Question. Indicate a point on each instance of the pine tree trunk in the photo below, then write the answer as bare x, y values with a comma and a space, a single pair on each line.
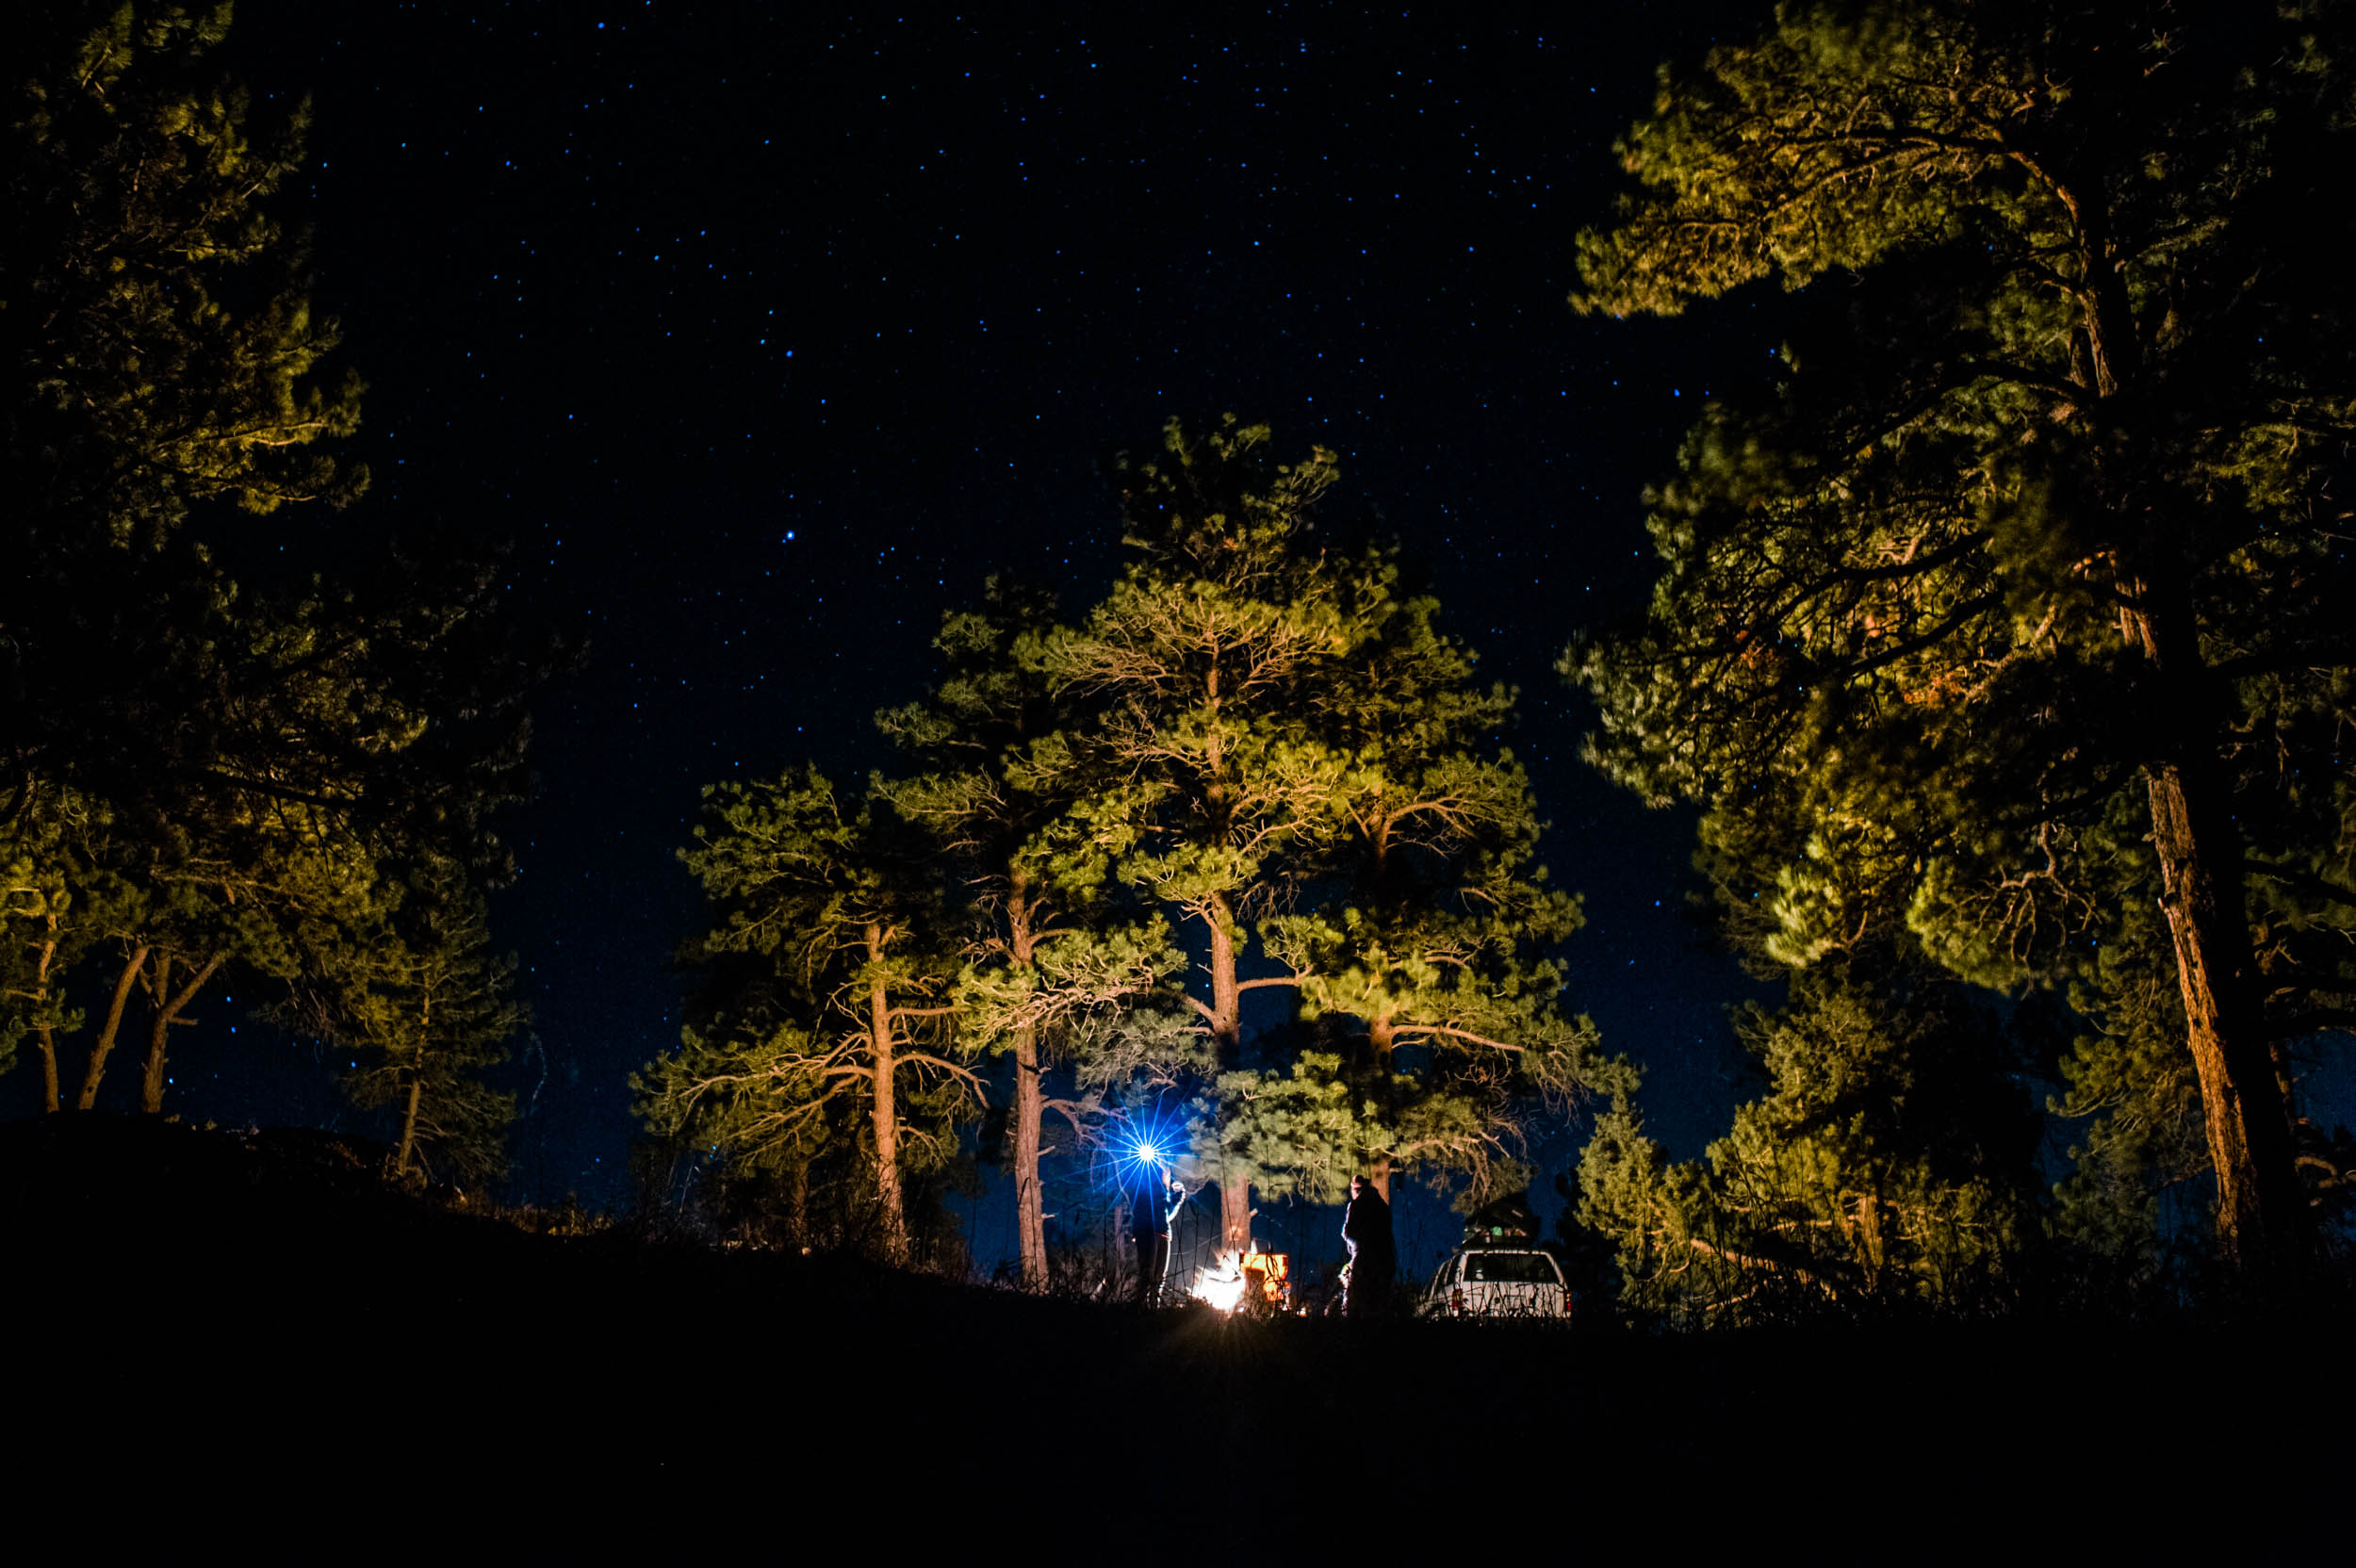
45, 1032
416, 1082
2258, 1214
105, 1044
1226, 1021
887, 1113
168, 1006
797, 1204
151, 1081
159, 1024
1382, 1035
1030, 1208
2259, 1217
408, 1126
46, 1043
2199, 847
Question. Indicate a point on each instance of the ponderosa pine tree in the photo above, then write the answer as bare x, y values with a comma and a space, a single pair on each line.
1053, 973
155, 354
832, 964
1436, 937
327, 745
1293, 760
158, 339
2041, 517
198, 776
1890, 1162
428, 1008
1218, 780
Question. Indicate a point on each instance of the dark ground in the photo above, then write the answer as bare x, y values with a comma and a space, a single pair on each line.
249, 1326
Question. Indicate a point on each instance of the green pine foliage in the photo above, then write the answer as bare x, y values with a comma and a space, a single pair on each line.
1437, 935
155, 317
1255, 746
1300, 766
429, 1009
202, 777
1218, 781
1060, 976
2023, 593
826, 1017
1888, 1165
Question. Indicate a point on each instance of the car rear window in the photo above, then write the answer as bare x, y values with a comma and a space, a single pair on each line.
1511, 1268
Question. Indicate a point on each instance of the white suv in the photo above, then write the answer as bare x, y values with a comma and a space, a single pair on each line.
1498, 1281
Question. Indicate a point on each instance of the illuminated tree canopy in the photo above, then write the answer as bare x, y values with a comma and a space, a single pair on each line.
845, 997
1253, 746
1297, 755
1058, 971
2027, 590
158, 333
207, 774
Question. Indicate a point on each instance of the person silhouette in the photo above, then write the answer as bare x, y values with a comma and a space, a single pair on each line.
1373, 1253
1151, 1214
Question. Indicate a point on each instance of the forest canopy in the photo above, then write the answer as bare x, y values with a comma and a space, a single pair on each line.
1998, 649
2007, 638
1256, 765
213, 774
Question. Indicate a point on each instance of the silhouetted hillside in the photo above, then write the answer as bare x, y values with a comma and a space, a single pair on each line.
218, 1306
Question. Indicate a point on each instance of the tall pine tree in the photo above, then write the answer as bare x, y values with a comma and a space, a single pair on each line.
428, 1009
831, 964
1221, 781
2040, 519
199, 775
1434, 939
1055, 973
1295, 762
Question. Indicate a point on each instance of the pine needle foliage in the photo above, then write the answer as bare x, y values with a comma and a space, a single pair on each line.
1299, 765
2027, 587
1061, 976
429, 1009
828, 1006
198, 776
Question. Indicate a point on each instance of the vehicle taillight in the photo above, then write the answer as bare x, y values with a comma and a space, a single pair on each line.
1456, 1302
1566, 1304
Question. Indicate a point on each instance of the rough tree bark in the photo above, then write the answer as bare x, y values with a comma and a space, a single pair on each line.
1030, 1100
2199, 848
2259, 1215
104, 1045
45, 1033
1225, 1018
1030, 1208
887, 1114
1382, 1038
170, 1004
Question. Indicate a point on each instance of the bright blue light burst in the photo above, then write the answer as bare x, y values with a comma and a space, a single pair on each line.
1145, 1152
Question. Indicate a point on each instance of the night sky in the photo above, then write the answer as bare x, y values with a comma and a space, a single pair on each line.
766, 335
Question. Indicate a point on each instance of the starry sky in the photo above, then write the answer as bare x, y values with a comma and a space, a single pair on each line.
765, 333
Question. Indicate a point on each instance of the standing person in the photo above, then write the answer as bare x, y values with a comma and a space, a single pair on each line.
1373, 1254
1149, 1217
